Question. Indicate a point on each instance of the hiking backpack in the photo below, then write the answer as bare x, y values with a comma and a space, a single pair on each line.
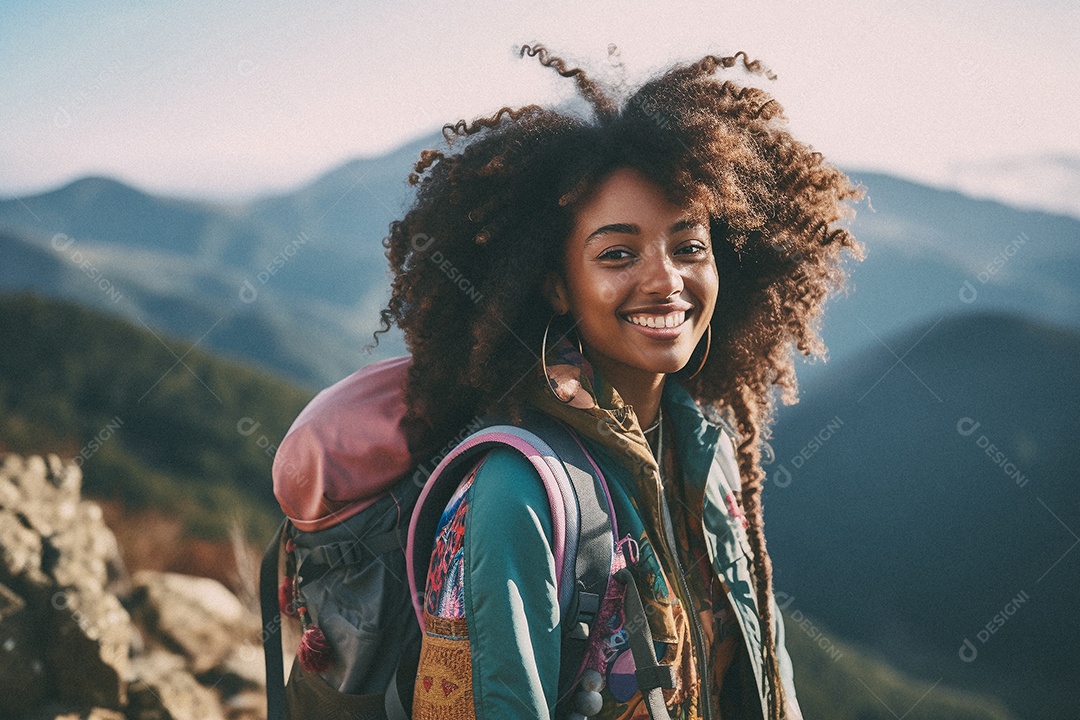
361, 518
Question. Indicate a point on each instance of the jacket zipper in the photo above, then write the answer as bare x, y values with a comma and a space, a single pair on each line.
691, 612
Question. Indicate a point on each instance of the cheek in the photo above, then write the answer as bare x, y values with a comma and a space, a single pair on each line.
593, 289
708, 284
607, 290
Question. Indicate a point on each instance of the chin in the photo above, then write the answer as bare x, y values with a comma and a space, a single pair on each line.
667, 367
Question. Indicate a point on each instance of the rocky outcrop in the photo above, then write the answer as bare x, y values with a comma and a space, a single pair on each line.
197, 617
162, 686
88, 646
79, 639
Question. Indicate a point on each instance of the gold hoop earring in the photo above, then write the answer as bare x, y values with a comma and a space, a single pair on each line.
543, 354
708, 344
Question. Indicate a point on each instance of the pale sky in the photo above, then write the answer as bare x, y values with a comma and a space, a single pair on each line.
230, 99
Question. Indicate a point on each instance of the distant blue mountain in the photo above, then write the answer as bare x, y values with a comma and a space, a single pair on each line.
933, 253
929, 510
291, 282
295, 281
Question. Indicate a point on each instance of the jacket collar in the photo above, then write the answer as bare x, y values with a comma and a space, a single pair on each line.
696, 437
595, 410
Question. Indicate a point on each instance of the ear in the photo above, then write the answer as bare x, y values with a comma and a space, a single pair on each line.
556, 293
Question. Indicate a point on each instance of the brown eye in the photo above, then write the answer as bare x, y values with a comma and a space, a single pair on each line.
614, 254
695, 247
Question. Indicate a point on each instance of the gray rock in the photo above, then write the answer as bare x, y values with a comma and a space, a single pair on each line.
88, 646
54, 551
10, 495
161, 688
199, 617
243, 669
38, 499
95, 714
32, 478
84, 545
20, 550
45, 526
65, 476
67, 711
247, 705
69, 647
11, 464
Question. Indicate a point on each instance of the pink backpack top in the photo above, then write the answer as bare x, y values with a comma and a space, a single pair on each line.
352, 429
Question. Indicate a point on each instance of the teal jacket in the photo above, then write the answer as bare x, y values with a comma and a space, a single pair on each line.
500, 657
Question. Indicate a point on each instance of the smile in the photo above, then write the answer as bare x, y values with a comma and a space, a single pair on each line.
666, 320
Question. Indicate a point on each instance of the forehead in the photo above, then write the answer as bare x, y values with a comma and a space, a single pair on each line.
627, 196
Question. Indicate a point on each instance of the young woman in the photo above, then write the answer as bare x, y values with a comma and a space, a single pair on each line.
641, 275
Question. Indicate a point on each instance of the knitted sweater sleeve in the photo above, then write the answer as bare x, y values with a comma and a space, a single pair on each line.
502, 656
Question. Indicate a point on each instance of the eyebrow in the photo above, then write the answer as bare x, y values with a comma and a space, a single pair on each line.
631, 229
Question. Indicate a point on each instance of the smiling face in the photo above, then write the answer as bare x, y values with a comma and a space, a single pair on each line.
640, 279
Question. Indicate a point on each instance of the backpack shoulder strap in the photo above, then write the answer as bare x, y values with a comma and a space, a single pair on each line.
594, 547
583, 523
271, 623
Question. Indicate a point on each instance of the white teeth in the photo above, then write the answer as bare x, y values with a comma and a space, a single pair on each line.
669, 320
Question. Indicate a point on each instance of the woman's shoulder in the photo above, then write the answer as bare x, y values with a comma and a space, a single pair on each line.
506, 470
507, 486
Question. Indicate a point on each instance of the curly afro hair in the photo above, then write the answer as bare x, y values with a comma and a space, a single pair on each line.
490, 218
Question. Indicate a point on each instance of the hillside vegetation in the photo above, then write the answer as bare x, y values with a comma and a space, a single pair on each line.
836, 681
907, 507
153, 422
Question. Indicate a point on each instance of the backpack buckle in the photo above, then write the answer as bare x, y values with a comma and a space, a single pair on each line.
587, 609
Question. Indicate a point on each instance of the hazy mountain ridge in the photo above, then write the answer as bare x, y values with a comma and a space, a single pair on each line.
909, 504
146, 428
305, 270
1048, 181
933, 254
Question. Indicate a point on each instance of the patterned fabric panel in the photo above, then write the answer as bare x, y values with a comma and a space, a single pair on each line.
443, 689
443, 686
445, 582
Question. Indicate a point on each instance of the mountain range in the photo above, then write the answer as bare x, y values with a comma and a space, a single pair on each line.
929, 509
294, 281
1048, 181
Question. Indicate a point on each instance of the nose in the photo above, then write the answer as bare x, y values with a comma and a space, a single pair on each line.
660, 276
